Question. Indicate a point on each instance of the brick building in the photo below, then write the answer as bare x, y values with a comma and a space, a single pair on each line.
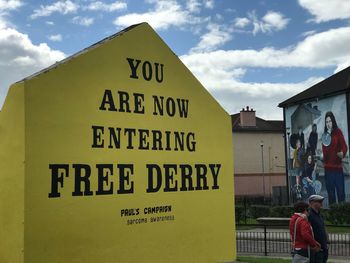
259, 159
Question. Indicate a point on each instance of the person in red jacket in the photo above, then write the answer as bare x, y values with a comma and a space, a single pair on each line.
334, 149
301, 232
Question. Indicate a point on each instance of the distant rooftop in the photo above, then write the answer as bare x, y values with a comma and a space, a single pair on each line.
261, 125
336, 84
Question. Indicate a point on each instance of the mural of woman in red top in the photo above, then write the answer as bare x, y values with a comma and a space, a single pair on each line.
334, 149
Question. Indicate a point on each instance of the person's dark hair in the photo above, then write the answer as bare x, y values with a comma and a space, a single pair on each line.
313, 126
309, 153
334, 122
300, 207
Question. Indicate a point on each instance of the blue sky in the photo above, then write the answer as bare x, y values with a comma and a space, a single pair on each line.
245, 52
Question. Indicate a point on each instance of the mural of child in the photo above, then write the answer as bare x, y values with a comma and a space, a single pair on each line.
298, 160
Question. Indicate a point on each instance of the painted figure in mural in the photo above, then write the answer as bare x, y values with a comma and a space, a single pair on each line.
334, 149
312, 142
300, 137
298, 165
311, 185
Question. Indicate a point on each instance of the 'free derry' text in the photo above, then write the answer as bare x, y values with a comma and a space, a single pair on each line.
117, 178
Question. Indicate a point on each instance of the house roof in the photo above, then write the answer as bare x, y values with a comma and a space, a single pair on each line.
335, 84
261, 125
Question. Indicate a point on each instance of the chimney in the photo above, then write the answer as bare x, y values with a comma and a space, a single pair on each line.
247, 117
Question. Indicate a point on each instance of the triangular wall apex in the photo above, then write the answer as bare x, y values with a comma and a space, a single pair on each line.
119, 152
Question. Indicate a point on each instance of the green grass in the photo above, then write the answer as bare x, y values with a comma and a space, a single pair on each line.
339, 229
249, 221
247, 227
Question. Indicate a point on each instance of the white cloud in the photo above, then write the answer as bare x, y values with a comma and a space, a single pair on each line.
21, 58
219, 17
3, 22
83, 21
263, 97
7, 5
275, 21
272, 21
217, 36
193, 6
165, 14
55, 38
101, 6
309, 33
209, 4
62, 7
324, 11
325, 49
241, 22
224, 83
342, 66
50, 23
222, 71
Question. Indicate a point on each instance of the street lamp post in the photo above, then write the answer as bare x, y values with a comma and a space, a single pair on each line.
262, 165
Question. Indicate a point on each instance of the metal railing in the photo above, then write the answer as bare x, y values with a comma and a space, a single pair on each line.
264, 240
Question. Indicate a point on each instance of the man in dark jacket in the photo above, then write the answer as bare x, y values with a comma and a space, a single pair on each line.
317, 222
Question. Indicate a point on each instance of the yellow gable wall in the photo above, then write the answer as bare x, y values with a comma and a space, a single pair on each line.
61, 108
12, 176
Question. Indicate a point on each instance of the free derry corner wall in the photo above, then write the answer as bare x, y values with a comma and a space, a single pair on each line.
116, 154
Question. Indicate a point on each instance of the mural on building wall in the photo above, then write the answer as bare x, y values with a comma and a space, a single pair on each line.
318, 150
